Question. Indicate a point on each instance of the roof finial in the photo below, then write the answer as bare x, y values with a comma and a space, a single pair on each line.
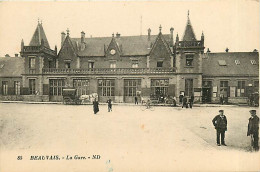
41, 22
188, 13
38, 20
113, 34
68, 31
160, 28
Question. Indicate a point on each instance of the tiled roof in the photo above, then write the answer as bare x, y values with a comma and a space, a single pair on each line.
211, 67
11, 66
38, 35
129, 45
189, 34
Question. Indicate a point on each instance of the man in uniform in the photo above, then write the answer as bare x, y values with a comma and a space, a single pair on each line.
220, 123
253, 129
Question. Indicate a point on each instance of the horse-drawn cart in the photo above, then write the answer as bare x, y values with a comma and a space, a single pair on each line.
70, 96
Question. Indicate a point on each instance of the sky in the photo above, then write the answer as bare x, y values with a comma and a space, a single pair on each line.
225, 23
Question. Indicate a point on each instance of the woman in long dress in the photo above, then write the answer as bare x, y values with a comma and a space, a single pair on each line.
95, 106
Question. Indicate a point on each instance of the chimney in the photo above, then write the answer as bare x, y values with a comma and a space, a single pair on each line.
82, 37
171, 30
22, 45
149, 34
227, 50
208, 51
118, 35
62, 37
202, 39
16, 55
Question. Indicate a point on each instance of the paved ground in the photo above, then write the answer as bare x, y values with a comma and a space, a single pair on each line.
127, 139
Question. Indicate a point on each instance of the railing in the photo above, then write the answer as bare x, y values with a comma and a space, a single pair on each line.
31, 48
184, 44
38, 49
110, 71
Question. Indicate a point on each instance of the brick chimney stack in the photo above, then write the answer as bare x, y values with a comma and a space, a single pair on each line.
62, 37
149, 34
172, 42
82, 37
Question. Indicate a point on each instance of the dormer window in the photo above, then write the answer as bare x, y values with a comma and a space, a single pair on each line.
189, 60
135, 64
253, 62
90, 65
237, 62
67, 65
160, 64
112, 64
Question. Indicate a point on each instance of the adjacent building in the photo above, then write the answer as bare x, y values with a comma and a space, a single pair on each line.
122, 67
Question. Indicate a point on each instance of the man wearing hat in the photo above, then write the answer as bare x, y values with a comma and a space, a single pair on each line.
220, 123
253, 129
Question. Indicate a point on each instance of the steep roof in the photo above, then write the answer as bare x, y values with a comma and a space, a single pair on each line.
189, 34
11, 66
129, 45
224, 64
38, 35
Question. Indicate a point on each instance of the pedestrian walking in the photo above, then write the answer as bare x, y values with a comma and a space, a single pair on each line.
220, 123
253, 129
191, 100
109, 105
184, 102
180, 99
136, 100
95, 106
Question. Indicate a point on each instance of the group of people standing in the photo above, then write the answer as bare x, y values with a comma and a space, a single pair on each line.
96, 105
185, 101
220, 123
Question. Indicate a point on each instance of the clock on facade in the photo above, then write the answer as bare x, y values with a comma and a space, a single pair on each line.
112, 52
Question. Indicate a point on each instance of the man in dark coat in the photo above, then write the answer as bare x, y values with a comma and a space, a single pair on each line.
109, 105
136, 100
180, 98
220, 123
253, 129
95, 106
184, 102
191, 100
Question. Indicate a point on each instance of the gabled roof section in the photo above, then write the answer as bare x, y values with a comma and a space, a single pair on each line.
211, 66
71, 44
128, 45
38, 35
160, 36
11, 66
189, 34
113, 45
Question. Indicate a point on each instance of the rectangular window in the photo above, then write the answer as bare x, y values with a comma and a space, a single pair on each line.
67, 65
241, 87
188, 87
31, 86
106, 87
160, 64
256, 86
189, 60
5, 87
90, 65
82, 86
17, 87
135, 64
131, 86
113, 64
159, 87
32, 62
224, 88
50, 66
56, 87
